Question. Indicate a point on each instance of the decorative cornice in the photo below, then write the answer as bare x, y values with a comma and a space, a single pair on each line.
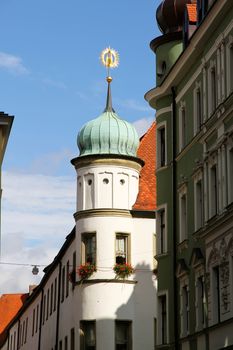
102, 212
105, 280
105, 159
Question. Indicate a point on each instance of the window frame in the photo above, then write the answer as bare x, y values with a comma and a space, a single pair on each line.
84, 237
127, 237
161, 157
182, 126
212, 88
63, 273
82, 326
163, 322
128, 324
213, 189
161, 240
199, 210
183, 219
197, 108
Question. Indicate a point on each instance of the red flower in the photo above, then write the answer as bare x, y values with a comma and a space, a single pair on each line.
85, 271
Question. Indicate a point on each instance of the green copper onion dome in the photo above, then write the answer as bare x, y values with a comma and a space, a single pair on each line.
108, 134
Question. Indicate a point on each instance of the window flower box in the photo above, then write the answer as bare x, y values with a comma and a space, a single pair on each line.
123, 270
85, 271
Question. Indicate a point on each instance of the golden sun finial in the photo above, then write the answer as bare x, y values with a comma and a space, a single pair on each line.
110, 59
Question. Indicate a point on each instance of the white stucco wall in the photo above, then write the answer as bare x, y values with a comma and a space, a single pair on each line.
106, 186
106, 302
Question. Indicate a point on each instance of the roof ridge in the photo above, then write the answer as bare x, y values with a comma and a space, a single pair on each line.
144, 136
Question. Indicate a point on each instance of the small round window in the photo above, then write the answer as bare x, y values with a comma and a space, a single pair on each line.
105, 181
89, 182
80, 184
122, 181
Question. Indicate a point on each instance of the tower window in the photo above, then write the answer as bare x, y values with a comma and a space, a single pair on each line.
122, 248
123, 334
105, 181
87, 335
89, 248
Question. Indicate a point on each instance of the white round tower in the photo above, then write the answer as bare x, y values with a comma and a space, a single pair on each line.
112, 248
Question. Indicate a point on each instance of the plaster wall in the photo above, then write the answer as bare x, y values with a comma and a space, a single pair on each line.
48, 328
10, 344
106, 186
107, 301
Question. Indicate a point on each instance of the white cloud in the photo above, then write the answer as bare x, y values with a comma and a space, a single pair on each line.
50, 163
142, 125
37, 215
12, 63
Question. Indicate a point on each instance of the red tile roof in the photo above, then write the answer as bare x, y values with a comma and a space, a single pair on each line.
9, 306
192, 12
146, 199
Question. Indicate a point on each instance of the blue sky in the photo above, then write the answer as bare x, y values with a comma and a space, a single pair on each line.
52, 82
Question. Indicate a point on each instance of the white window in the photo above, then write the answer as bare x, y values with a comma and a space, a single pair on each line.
163, 320
87, 335
123, 335
161, 230
213, 190
198, 203
183, 223
122, 248
89, 248
182, 127
161, 145
197, 105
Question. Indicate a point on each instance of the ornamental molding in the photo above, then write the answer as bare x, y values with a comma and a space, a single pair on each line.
214, 257
87, 161
124, 213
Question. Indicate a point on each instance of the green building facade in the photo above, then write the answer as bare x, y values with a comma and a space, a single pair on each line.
193, 99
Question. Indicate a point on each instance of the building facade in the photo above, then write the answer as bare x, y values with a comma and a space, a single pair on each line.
5, 128
89, 297
193, 99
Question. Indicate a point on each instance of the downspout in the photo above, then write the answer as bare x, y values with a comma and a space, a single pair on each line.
174, 213
41, 313
58, 306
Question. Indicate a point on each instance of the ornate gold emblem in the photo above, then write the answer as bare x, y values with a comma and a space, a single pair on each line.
109, 58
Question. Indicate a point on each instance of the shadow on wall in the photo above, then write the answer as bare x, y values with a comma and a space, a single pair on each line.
135, 320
